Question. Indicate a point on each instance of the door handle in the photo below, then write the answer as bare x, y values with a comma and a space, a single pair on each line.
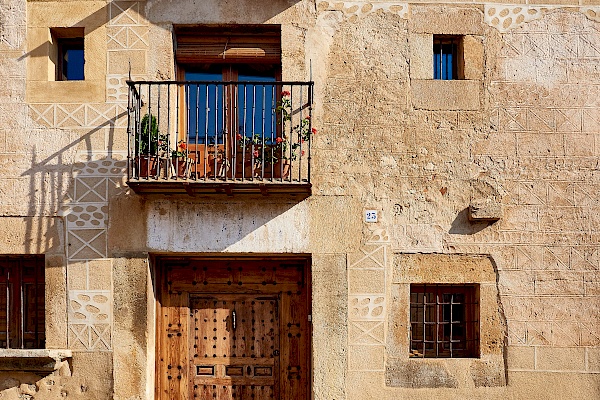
275, 353
233, 319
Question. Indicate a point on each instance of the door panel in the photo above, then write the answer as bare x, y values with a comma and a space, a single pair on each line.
202, 355
235, 346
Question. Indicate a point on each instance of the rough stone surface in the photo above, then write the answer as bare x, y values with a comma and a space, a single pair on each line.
521, 129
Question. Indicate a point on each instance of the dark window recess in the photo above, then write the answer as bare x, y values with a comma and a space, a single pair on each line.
22, 302
70, 59
447, 57
444, 321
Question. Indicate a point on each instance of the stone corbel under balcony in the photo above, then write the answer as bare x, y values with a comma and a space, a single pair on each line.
35, 360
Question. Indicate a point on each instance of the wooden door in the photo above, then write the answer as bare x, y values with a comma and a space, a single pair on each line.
233, 329
234, 347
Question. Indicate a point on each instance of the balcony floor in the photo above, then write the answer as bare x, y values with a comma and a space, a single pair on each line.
209, 188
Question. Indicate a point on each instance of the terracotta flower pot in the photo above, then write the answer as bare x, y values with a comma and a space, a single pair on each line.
148, 166
179, 166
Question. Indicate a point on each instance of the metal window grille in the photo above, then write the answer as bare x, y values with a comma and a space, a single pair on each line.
444, 321
22, 309
446, 57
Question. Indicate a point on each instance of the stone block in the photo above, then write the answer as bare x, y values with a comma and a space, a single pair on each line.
559, 283
32, 235
442, 268
56, 302
591, 283
119, 61
133, 325
78, 275
87, 91
366, 281
560, 358
421, 56
520, 357
473, 55
445, 95
419, 374
488, 372
446, 20
540, 144
485, 210
100, 274
365, 358
516, 282
520, 218
593, 359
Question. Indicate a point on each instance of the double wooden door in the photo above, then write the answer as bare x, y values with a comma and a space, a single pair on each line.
233, 330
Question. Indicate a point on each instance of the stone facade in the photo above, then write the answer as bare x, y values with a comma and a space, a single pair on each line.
490, 179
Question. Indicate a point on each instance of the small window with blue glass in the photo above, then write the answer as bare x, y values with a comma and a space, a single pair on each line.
67, 53
70, 59
447, 57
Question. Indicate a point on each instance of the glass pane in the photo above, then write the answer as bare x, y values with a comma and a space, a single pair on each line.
205, 113
256, 105
73, 64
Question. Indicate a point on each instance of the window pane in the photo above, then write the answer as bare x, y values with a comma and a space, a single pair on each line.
73, 64
256, 105
205, 113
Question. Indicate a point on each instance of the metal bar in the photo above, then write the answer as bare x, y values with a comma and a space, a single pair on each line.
194, 82
21, 339
8, 277
129, 109
310, 102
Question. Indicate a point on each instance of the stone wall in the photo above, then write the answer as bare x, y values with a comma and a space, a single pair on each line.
520, 131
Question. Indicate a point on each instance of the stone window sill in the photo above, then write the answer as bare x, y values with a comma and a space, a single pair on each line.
33, 360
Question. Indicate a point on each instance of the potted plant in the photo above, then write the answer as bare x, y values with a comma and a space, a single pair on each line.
267, 157
180, 159
149, 144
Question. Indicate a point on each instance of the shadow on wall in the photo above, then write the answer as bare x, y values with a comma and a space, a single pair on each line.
179, 224
51, 185
90, 23
463, 226
216, 11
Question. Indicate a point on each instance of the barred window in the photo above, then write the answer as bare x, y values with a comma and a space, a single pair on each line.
22, 302
444, 320
447, 57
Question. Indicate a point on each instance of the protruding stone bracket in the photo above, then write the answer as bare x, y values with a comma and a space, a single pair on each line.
484, 210
43, 360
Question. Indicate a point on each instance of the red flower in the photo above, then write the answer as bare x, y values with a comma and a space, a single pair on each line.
279, 140
302, 153
307, 117
182, 145
239, 137
285, 93
313, 130
255, 153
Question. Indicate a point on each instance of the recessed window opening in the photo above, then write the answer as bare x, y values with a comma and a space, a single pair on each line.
22, 308
70, 56
447, 57
444, 321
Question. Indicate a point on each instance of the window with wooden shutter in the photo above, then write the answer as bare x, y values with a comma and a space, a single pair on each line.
22, 306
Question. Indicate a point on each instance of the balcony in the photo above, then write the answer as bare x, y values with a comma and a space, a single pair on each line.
203, 138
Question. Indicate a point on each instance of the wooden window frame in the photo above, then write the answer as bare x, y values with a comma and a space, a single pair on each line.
22, 319
435, 328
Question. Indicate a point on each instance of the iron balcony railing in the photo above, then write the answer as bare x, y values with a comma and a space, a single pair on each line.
199, 131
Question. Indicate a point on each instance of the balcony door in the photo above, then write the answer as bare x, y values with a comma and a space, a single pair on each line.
230, 91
